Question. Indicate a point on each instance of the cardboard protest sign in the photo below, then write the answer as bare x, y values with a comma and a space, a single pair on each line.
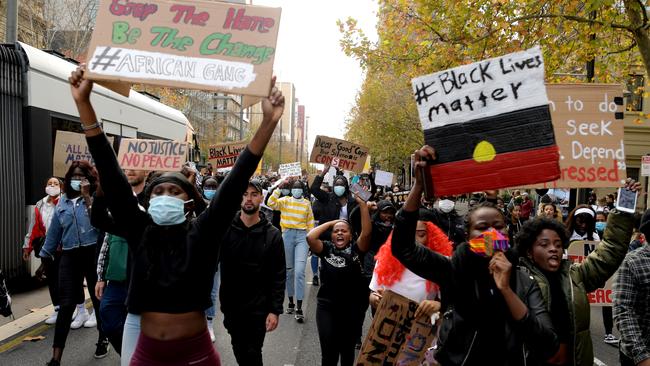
577, 253
152, 155
68, 147
225, 155
338, 153
395, 336
490, 124
588, 124
290, 170
206, 45
383, 178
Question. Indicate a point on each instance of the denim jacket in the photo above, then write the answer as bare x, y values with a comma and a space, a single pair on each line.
70, 227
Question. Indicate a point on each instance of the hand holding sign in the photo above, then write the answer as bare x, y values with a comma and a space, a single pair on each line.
80, 86
273, 106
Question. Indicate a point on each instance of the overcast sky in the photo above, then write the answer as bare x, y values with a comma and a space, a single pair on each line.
308, 54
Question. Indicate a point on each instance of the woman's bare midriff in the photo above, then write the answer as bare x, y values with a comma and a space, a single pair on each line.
166, 327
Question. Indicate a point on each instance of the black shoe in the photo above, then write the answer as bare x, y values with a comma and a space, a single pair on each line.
300, 318
315, 281
53, 363
102, 349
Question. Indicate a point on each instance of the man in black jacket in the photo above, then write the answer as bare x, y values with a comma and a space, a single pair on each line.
253, 275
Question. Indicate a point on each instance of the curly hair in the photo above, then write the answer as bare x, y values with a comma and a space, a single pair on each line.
389, 269
529, 232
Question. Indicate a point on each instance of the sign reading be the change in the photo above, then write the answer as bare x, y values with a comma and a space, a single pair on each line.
198, 45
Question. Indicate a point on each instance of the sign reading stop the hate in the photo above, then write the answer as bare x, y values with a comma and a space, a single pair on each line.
588, 124
339, 153
152, 155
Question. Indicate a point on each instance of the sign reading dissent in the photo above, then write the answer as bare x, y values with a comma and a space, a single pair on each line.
206, 45
490, 124
338, 153
225, 155
588, 123
152, 155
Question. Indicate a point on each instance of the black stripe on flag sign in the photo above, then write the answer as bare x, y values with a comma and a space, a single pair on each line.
523, 129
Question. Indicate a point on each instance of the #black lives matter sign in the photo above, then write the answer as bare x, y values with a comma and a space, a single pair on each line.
490, 124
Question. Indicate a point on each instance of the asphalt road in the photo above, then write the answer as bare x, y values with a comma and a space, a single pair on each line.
291, 344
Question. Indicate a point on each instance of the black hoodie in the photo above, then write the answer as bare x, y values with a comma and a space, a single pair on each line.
253, 272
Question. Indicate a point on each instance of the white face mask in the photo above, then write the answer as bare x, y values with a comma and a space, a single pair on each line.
52, 191
446, 205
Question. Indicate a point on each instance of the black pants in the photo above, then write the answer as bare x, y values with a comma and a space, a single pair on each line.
51, 268
625, 361
337, 332
247, 332
608, 320
75, 265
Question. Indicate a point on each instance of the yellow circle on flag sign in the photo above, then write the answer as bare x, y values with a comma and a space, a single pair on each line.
484, 152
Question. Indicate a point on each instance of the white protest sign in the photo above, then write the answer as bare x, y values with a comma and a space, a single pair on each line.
645, 165
290, 170
482, 89
383, 178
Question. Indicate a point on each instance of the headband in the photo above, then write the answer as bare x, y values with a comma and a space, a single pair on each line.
584, 210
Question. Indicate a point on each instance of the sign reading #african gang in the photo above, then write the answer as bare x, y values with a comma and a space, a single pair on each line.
338, 153
206, 45
490, 124
396, 337
225, 155
152, 155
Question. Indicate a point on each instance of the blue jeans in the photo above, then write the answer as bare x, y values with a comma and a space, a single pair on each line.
295, 252
212, 310
314, 264
112, 310
129, 338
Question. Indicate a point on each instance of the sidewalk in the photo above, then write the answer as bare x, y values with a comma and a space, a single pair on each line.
30, 308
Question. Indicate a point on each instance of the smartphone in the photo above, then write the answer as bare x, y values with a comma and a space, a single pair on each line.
362, 193
626, 200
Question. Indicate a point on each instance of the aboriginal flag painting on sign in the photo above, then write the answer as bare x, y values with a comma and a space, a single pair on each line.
490, 124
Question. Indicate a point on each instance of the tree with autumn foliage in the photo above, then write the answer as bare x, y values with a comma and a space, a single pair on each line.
419, 37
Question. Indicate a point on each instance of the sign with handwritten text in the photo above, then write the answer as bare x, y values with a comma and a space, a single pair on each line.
68, 147
588, 124
338, 153
152, 155
225, 155
205, 45
396, 337
577, 253
290, 170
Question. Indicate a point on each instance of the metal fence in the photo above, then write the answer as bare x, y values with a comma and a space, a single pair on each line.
12, 183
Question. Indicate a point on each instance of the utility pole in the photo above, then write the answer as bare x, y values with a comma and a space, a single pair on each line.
11, 29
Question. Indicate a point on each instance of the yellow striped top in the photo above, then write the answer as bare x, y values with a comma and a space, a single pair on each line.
294, 213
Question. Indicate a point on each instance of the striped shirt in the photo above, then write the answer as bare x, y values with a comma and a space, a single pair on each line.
294, 213
632, 304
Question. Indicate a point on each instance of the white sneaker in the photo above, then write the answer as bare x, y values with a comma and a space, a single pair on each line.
52, 319
79, 320
91, 322
211, 330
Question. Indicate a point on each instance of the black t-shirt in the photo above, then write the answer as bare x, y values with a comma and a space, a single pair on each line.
341, 275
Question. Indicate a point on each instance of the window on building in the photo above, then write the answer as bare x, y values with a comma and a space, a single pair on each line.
635, 85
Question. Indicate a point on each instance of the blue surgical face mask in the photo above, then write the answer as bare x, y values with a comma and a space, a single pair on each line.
296, 192
75, 184
285, 192
167, 210
339, 190
209, 193
600, 226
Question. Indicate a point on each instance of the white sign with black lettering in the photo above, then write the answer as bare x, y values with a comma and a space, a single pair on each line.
384, 179
290, 170
482, 89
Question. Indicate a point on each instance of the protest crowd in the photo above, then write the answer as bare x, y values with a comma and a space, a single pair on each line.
468, 258
154, 247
